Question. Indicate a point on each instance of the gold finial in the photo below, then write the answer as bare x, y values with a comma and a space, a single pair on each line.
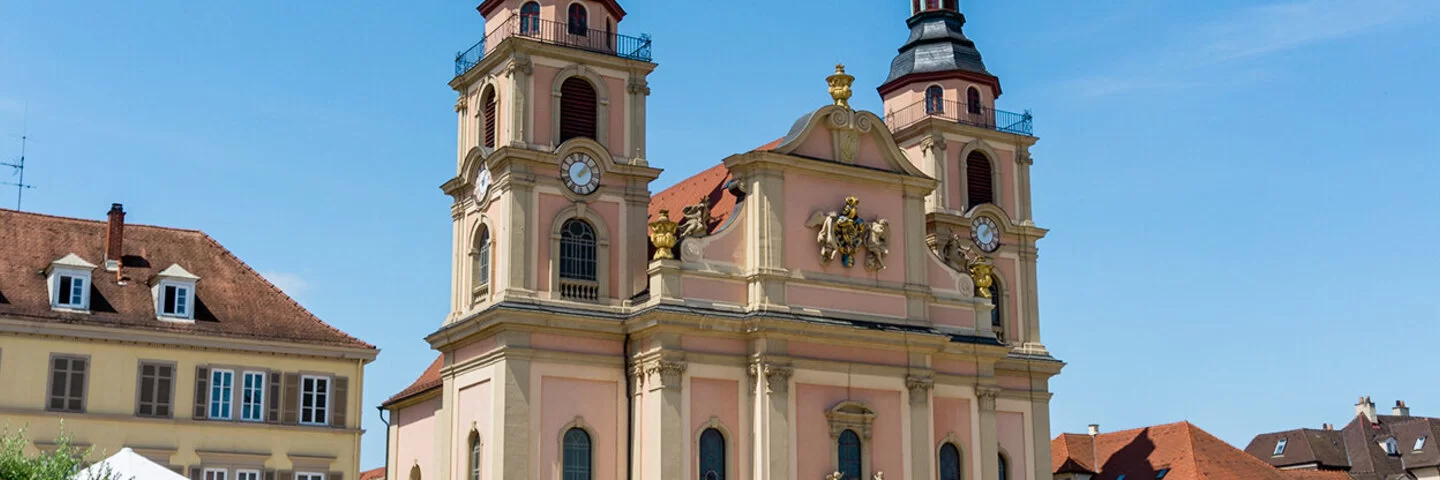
662, 235
840, 86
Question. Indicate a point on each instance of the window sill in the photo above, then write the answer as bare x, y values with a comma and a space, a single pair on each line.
170, 319
70, 309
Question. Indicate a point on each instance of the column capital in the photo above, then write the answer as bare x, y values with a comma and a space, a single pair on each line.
987, 396
776, 377
919, 387
665, 374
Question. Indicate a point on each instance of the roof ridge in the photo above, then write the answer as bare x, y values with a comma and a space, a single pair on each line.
101, 222
1194, 455
1242, 454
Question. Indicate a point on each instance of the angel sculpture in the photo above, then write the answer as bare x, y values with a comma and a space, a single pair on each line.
846, 232
877, 245
697, 219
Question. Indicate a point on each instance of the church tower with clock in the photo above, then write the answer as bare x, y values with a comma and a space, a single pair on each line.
855, 300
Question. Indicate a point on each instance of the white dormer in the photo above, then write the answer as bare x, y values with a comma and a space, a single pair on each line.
68, 280
174, 292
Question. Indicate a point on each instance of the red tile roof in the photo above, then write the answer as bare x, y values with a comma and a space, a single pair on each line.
376, 474
709, 184
231, 299
428, 380
1187, 451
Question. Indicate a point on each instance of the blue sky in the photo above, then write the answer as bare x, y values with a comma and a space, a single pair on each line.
1241, 193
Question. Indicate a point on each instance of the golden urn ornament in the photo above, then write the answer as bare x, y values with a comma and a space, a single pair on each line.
662, 235
981, 273
840, 86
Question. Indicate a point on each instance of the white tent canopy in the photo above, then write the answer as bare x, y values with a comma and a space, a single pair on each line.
128, 465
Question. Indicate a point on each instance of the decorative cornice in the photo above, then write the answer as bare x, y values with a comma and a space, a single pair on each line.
638, 86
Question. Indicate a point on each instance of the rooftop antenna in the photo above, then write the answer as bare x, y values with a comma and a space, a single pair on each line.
19, 166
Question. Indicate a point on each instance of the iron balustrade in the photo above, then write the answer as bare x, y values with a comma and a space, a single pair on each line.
964, 114
556, 33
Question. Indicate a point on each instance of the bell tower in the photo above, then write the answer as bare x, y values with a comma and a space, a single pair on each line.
551, 182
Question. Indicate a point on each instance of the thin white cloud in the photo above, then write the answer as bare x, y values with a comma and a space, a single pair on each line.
290, 283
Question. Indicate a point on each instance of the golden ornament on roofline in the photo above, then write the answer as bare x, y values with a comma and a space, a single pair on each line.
840, 86
662, 235
982, 272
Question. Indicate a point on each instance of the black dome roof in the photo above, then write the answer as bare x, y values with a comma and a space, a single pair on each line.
937, 44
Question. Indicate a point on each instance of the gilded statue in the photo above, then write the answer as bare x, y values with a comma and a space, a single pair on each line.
960, 254
846, 232
982, 274
662, 235
696, 221
840, 86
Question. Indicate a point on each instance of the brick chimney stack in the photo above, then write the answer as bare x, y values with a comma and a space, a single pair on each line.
115, 238
1365, 407
1400, 410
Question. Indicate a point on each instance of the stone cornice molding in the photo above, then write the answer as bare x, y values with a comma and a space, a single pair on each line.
10, 325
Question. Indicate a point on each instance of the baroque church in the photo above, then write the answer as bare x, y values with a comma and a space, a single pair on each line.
855, 300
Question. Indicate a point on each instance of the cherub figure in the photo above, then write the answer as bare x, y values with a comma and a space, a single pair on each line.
696, 223
877, 244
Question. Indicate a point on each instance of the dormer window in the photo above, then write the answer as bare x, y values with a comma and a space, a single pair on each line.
175, 294
1280, 447
1419, 443
69, 283
1390, 446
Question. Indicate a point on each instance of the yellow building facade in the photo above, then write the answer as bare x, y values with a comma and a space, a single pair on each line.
160, 340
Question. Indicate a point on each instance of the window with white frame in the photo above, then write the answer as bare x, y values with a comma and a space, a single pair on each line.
252, 397
175, 294
72, 291
1419, 443
176, 301
222, 389
314, 401
247, 475
1279, 448
309, 476
215, 474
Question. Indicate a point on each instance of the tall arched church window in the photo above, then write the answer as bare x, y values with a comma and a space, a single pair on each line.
530, 18
712, 455
575, 461
1004, 469
979, 180
480, 263
579, 20
972, 101
848, 451
474, 456
949, 462
934, 100
577, 109
488, 100
578, 261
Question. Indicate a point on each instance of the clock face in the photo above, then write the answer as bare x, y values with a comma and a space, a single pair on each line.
482, 186
985, 234
580, 173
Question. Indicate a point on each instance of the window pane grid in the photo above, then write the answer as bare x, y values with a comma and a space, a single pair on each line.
222, 388
712, 455
155, 382
314, 397
252, 397
576, 457
577, 251
67, 384
848, 449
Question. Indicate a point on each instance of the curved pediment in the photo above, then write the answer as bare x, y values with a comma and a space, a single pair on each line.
852, 137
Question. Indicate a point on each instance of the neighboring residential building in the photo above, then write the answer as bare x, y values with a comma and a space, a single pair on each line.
161, 340
373, 474
1370, 447
858, 297
1176, 451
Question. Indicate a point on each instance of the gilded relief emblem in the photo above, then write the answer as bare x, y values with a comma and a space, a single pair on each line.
846, 232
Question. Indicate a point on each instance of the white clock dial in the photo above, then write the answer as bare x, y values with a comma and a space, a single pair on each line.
482, 186
986, 234
580, 173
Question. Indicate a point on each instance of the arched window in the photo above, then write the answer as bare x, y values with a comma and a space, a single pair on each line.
979, 180
576, 462
848, 451
712, 455
577, 109
934, 100
530, 18
578, 261
1004, 469
972, 101
480, 262
488, 100
997, 314
579, 20
474, 455
949, 462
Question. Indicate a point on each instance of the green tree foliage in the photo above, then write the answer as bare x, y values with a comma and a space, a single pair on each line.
62, 464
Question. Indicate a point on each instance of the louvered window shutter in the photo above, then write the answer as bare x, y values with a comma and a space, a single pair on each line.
272, 396
979, 180
202, 392
489, 102
292, 399
269, 475
335, 476
286, 474
341, 394
577, 109
197, 473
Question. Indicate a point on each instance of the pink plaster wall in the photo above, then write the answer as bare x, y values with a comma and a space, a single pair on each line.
416, 442
1010, 431
566, 343
854, 301
1015, 383
813, 442
955, 367
594, 401
952, 316
714, 290
473, 350
549, 208
613, 90
821, 144
848, 354
719, 399
952, 415
914, 94
812, 193
941, 276
542, 87
728, 244
722, 346
473, 407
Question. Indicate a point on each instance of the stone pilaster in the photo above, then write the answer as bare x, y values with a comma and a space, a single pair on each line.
1031, 302
520, 237
772, 424
989, 447
1040, 431
932, 150
664, 419
765, 261
513, 446
518, 102
922, 461
638, 90
1023, 161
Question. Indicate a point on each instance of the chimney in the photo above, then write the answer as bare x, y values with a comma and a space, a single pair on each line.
1094, 429
1365, 407
115, 238
1400, 409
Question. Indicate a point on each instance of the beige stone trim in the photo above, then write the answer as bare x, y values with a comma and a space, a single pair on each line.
602, 101
318, 462
188, 422
12, 326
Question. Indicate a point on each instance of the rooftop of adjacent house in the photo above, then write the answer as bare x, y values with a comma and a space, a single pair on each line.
373, 474
1370, 447
231, 300
428, 380
1176, 451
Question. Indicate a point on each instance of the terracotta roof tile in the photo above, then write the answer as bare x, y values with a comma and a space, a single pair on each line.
709, 184
375, 474
429, 379
1188, 453
231, 299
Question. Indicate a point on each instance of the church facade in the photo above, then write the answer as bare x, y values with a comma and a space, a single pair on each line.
856, 300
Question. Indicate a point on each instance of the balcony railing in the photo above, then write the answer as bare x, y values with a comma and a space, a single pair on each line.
964, 114
555, 33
